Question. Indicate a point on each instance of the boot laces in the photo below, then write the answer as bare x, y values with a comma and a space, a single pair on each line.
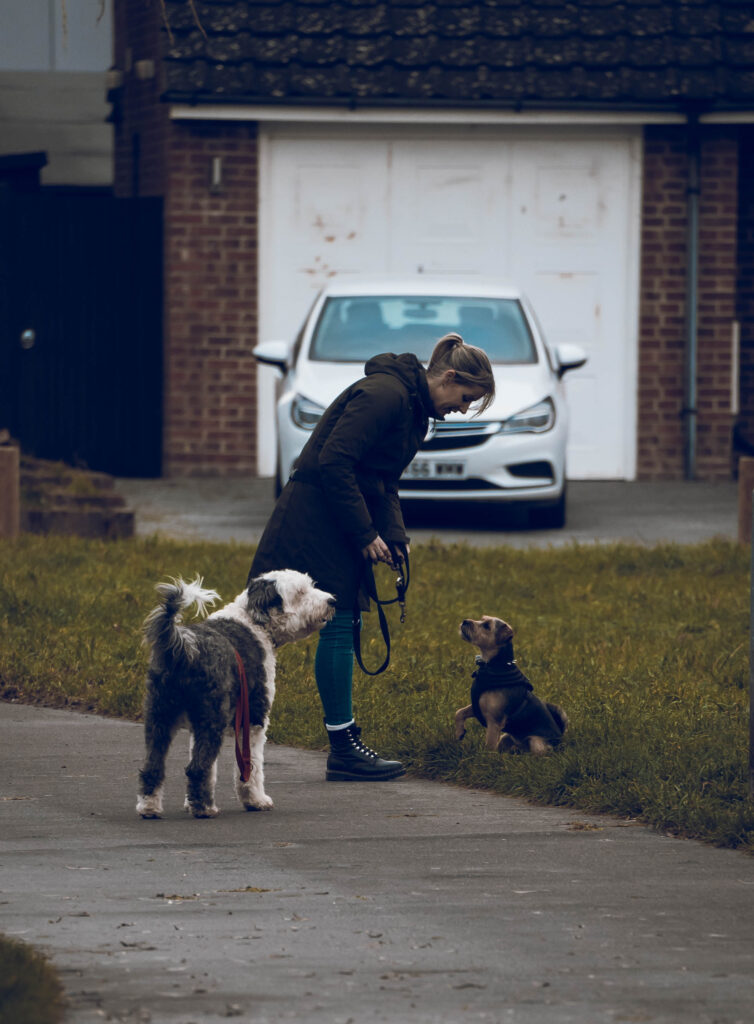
360, 745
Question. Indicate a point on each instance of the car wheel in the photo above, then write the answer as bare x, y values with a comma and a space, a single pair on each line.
552, 517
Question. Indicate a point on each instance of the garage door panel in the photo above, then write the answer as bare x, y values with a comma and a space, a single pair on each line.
325, 215
332, 213
444, 209
570, 218
568, 202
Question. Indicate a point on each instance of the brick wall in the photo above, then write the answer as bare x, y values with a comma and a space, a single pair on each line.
210, 301
717, 302
662, 325
745, 310
140, 120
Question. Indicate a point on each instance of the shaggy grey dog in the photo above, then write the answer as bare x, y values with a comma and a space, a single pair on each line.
194, 679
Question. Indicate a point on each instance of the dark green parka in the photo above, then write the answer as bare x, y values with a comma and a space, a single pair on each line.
344, 490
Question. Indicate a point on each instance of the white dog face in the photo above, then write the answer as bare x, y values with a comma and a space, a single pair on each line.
288, 605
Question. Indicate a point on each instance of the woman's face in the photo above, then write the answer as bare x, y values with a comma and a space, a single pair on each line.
448, 395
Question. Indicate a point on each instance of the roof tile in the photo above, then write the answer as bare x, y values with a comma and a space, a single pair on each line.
415, 52
740, 51
321, 50
740, 83
701, 20
603, 21
320, 20
504, 21
459, 21
413, 21
562, 20
604, 52
696, 83
369, 52
647, 83
272, 49
368, 19
648, 21
504, 53
556, 53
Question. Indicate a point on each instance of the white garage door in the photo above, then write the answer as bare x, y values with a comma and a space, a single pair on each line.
557, 214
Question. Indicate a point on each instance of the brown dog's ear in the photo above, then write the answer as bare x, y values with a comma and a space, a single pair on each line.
263, 596
503, 633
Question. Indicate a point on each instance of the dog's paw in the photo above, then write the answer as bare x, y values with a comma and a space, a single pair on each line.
258, 803
508, 745
149, 806
204, 811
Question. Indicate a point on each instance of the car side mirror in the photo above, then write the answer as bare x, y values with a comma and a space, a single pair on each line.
273, 353
570, 357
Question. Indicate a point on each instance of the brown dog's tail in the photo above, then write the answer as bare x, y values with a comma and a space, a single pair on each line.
559, 716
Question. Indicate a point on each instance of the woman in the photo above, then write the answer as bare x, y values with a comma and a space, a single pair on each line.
341, 507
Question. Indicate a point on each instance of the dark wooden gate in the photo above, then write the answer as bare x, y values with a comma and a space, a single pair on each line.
81, 329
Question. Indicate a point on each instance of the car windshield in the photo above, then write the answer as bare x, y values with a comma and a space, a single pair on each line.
350, 329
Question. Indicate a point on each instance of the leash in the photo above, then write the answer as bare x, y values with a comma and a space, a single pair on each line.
243, 749
401, 586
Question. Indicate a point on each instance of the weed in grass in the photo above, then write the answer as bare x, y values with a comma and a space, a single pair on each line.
645, 648
30, 990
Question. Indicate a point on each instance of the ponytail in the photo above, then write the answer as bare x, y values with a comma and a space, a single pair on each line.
471, 366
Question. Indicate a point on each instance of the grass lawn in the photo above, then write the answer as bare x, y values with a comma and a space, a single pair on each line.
645, 648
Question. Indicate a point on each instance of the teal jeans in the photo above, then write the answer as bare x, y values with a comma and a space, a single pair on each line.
333, 668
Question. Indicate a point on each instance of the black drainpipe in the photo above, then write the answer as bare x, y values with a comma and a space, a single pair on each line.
692, 294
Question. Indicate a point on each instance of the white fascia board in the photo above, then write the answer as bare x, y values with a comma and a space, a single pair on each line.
731, 117
417, 115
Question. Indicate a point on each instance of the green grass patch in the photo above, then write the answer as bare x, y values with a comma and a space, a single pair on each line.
30, 990
645, 648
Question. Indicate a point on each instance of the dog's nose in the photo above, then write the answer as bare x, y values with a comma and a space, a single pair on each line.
466, 622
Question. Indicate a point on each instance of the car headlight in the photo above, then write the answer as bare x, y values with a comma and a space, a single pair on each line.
534, 420
305, 413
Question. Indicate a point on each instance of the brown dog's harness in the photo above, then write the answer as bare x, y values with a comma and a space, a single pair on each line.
243, 742
500, 671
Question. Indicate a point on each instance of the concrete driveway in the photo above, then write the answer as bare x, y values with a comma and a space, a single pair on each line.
599, 511
403, 902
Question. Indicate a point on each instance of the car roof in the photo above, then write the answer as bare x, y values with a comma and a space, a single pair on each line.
421, 284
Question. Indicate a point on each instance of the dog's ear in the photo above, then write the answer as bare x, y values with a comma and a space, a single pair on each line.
503, 633
263, 596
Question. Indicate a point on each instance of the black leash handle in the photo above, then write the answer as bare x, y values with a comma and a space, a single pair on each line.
401, 586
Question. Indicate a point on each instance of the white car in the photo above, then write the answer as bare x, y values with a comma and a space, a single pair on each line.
514, 453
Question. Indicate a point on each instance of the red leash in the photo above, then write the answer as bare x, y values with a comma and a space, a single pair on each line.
243, 752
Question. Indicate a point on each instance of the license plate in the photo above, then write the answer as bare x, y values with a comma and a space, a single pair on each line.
424, 469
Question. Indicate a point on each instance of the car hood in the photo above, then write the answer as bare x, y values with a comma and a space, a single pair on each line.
516, 387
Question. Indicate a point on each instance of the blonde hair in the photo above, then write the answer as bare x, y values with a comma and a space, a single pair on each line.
471, 366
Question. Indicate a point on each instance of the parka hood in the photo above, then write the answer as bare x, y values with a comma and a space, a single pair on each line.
408, 370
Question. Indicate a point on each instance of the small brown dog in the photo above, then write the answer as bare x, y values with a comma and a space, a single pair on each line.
501, 696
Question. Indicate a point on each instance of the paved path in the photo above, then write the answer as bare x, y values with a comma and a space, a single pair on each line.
403, 902
639, 512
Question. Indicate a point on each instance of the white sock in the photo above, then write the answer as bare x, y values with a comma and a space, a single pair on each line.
337, 728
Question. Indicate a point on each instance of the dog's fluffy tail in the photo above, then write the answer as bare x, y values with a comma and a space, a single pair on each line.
163, 630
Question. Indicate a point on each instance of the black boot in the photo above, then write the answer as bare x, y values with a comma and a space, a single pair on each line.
350, 760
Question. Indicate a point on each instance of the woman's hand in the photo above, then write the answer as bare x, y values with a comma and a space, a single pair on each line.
378, 551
